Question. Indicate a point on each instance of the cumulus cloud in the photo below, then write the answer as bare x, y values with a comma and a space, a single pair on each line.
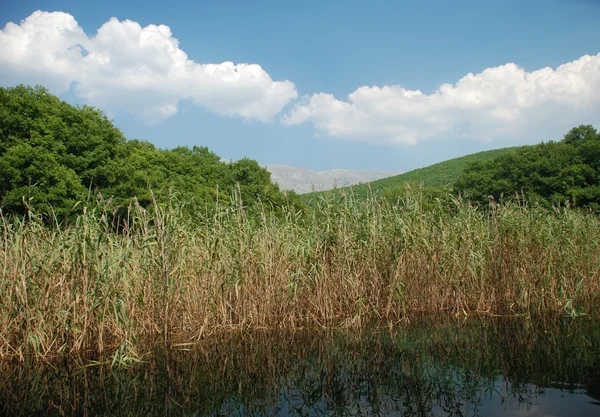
138, 69
500, 103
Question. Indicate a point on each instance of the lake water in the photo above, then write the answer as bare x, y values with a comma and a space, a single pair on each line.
434, 367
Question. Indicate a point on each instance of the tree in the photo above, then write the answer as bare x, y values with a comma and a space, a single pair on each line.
54, 155
550, 173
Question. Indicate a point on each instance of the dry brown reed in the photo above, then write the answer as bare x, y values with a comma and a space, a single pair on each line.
169, 276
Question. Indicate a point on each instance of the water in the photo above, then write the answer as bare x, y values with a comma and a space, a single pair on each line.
478, 367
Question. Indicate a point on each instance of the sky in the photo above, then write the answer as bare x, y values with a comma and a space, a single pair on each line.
387, 85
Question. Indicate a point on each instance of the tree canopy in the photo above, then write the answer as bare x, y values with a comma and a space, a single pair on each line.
54, 155
551, 173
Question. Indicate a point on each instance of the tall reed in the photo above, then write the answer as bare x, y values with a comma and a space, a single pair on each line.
163, 275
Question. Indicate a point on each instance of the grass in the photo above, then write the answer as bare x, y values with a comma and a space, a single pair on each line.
170, 278
437, 175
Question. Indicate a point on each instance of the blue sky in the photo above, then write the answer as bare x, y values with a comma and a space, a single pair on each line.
293, 105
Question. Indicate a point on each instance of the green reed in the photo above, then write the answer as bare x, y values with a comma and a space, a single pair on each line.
110, 286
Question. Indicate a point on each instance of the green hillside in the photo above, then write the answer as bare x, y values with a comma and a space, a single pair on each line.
436, 175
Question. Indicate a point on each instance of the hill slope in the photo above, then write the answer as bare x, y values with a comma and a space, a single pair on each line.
436, 175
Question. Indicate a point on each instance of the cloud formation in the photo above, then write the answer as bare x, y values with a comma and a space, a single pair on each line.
143, 71
137, 69
500, 103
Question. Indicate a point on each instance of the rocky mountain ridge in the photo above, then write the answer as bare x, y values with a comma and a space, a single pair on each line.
304, 180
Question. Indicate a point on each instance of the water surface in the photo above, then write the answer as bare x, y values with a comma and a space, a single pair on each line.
477, 367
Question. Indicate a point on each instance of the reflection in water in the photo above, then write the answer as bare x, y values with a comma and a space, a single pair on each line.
481, 367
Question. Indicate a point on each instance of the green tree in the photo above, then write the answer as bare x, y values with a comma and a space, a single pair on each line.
54, 155
550, 173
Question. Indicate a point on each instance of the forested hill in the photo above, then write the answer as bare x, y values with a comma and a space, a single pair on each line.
566, 172
53, 156
554, 173
436, 175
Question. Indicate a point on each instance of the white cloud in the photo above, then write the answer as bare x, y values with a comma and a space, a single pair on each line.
501, 103
133, 68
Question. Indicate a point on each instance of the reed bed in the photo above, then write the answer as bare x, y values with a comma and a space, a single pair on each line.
167, 276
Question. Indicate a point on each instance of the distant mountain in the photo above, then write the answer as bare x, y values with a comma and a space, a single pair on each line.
304, 180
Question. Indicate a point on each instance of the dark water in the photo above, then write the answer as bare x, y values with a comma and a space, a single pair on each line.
481, 367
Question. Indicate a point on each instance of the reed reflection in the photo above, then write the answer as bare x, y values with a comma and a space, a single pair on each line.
445, 368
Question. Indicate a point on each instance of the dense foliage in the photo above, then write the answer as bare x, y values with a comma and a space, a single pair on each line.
54, 155
551, 173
